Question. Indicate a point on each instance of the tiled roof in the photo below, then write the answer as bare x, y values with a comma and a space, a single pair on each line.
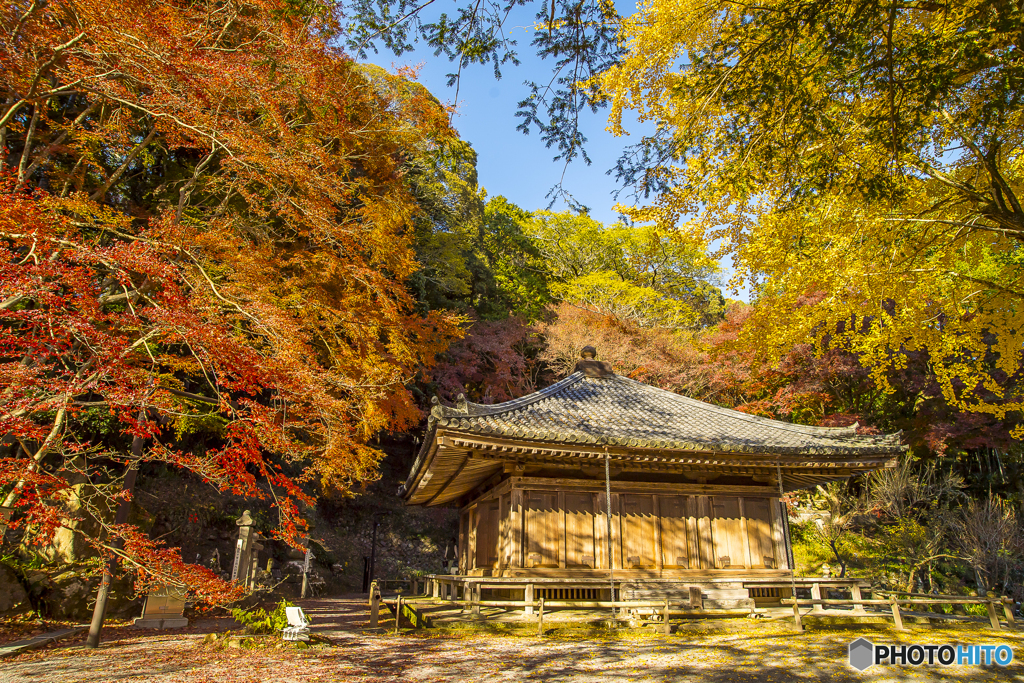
618, 411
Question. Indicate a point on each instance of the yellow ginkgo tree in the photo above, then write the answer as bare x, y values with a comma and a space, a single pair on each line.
859, 161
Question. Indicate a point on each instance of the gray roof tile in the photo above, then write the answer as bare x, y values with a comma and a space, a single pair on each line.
615, 410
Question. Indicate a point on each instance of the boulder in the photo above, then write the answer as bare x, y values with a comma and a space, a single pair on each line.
13, 596
68, 594
71, 594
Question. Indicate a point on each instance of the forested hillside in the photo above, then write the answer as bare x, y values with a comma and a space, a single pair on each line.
237, 264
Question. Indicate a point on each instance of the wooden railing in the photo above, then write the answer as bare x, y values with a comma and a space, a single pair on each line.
894, 605
662, 607
447, 589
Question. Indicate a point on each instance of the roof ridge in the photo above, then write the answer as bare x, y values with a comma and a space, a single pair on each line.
480, 409
758, 419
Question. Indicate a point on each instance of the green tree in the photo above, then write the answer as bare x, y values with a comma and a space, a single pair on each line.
516, 279
636, 274
448, 224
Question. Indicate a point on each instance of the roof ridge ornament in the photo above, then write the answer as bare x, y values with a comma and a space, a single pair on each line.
591, 367
436, 409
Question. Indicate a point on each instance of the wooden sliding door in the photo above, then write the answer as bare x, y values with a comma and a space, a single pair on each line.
759, 533
579, 530
543, 526
730, 546
675, 535
638, 531
487, 534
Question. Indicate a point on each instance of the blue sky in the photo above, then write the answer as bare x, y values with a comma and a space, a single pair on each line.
509, 163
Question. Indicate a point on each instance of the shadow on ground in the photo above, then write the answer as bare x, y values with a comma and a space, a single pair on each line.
734, 650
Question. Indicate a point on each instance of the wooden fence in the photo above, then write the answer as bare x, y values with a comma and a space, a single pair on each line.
893, 606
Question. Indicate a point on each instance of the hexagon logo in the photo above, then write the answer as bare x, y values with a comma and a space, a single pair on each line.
862, 654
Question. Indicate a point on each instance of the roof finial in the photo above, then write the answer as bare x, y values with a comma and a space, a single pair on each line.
591, 367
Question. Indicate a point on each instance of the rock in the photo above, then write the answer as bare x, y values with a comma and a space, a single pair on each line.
68, 596
13, 596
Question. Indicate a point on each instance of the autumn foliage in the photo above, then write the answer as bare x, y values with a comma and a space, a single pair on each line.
203, 234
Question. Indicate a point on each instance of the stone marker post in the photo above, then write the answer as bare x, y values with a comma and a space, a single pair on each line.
243, 548
254, 567
305, 571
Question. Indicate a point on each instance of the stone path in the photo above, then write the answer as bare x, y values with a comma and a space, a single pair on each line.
36, 642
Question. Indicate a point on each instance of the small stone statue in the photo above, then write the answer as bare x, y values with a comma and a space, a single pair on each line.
214, 562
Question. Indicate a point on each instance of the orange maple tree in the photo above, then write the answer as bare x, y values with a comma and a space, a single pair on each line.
203, 228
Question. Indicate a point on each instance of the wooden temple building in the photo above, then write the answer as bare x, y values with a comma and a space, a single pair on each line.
695, 489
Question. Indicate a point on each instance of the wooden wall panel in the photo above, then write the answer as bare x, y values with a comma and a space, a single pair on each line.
579, 530
759, 531
675, 551
543, 528
638, 530
487, 534
729, 542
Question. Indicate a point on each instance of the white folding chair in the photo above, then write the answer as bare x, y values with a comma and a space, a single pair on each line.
298, 625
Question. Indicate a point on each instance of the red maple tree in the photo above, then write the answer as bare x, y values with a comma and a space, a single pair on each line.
203, 226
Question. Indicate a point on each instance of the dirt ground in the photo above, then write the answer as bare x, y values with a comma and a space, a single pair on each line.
736, 650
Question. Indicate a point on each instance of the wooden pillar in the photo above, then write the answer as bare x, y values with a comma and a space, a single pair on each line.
787, 541
435, 588
993, 616
398, 612
1008, 611
529, 599
474, 521
374, 606
617, 531
856, 595
463, 541
540, 619
563, 550
781, 554
475, 592
516, 517
692, 534
704, 526
897, 618
504, 531
816, 595
659, 551
667, 625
